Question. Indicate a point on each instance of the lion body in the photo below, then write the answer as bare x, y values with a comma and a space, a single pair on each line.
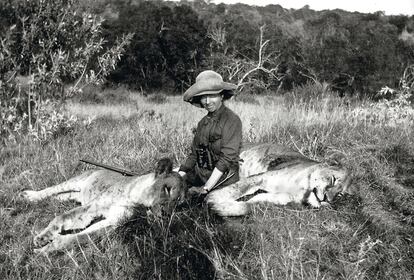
106, 197
272, 173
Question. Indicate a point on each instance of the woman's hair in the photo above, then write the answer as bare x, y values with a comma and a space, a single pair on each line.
226, 94
196, 99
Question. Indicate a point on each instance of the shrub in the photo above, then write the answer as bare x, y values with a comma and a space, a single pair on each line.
50, 43
395, 108
51, 123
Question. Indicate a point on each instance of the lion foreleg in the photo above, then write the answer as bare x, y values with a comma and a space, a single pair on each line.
313, 201
77, 224
58, 243
71, 222
69, 240
224, 201
275, 198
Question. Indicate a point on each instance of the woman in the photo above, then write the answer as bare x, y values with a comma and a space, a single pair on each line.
214, 157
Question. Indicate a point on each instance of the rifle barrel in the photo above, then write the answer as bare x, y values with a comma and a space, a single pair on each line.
229, 175
112, 168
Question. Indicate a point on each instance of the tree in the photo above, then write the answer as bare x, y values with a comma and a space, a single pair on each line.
50, 43
142, 65
184, 45
376, 56
169, 45
358, 54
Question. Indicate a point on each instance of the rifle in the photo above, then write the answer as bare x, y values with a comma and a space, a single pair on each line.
218, 184
112, 168
199, 191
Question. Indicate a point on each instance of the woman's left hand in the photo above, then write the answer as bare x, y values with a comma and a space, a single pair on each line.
206, 189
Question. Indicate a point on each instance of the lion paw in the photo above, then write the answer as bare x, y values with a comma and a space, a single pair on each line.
30, 195
325, 204
42, 240
57, 243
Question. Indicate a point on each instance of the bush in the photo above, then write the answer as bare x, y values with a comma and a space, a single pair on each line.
170, 45
50, 43
394, 107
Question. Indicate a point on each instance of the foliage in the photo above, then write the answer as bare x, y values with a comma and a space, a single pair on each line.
52, 43
352, 56
394, 107
50, 122
354, 53
251, 74
168, 49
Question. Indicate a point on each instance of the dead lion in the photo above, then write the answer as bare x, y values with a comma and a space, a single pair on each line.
276, 174
106, 197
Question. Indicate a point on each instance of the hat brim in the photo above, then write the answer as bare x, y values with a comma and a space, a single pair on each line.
227, 89
196, 100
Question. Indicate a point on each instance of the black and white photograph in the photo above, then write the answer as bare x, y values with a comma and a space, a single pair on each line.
207, 139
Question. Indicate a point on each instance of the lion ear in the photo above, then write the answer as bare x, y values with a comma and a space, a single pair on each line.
335, 159
164, 167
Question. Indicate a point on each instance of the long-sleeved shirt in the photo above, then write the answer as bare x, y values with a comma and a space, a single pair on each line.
221, 132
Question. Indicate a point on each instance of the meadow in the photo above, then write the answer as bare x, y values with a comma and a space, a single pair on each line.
366, 235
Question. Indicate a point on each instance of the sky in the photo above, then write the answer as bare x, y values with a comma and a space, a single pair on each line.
390, 7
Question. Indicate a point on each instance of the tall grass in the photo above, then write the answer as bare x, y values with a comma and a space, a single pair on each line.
367, 235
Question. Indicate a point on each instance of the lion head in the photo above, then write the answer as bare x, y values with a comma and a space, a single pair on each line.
330, 183
169, 184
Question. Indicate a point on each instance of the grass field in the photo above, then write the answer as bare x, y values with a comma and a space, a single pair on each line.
367, 235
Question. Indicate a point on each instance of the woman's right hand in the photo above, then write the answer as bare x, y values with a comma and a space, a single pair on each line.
182, 173
197, 191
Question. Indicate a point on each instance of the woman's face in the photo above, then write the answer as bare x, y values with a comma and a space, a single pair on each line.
211, 102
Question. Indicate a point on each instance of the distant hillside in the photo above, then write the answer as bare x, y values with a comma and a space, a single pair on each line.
351, 52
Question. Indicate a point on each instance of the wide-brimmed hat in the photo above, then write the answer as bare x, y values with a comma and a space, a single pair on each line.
208, 82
